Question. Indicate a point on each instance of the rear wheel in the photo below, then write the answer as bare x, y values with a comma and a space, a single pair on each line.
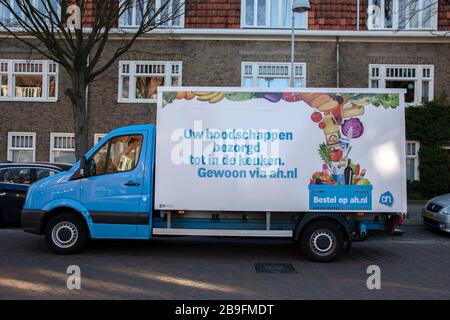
322, 241
66, 234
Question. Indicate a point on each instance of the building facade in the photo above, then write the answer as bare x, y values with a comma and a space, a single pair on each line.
229, 43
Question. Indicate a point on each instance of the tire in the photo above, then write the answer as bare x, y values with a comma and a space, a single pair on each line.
322, 241
66, 234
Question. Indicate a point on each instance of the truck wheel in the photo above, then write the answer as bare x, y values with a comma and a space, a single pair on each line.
322, 241
66, 234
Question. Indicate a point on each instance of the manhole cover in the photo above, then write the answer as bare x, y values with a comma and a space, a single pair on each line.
274, 268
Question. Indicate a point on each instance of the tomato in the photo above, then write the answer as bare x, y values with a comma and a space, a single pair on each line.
316, 117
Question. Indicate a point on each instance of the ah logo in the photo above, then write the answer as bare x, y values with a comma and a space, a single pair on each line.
387, 199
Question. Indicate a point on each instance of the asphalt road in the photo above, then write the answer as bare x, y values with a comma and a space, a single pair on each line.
414, 266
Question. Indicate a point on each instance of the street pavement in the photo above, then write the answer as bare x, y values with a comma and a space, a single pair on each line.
415, 266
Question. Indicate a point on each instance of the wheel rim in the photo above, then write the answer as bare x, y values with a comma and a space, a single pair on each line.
323, 242
64, 234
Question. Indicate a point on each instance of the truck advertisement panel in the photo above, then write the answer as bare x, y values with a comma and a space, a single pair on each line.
248, 149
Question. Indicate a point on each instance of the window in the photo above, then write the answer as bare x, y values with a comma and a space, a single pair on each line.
62, 147
21, 146
403, 14
272, 75
98, 137
119, 154
43, 173
133, 16
16, 175
10, 20
270, 14
138, 80
412, 160
25, 80
418, 80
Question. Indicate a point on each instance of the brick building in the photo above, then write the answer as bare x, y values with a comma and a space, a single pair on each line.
229, 43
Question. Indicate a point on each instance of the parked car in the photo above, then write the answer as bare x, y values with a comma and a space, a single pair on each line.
15, 179
436, 213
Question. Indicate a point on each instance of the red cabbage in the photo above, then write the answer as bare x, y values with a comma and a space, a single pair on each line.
352, 128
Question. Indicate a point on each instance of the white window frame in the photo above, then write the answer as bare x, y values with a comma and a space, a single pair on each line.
49, 68
54, 135
98, 137
415, 157
251, 70
34, 3
395, 16
157, 5
303, 16
422, 73
267, 24
31, 135
132, 74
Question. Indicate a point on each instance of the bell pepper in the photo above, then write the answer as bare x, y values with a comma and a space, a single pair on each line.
335, 155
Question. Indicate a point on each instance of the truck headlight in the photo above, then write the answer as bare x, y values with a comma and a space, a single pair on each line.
446, 211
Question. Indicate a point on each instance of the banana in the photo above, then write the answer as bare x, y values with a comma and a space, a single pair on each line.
201, 93
208, 97
217, 98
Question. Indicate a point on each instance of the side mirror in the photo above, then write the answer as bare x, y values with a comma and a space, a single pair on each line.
83, 166
91, 168
87, 167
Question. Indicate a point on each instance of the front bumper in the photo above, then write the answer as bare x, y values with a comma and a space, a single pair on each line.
32, 220
437, 224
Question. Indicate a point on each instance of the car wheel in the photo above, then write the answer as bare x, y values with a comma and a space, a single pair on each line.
322, 241
66, 234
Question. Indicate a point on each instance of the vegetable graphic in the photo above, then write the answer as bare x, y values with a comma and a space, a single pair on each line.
324, 154
292, 96
335, 154
272, 96
189, 95
352, 128
168, 97
316, 117
217, 98
386, 100
239, 96
180, 94
212, 97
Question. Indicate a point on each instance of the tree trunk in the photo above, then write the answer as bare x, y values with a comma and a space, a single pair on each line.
78, 97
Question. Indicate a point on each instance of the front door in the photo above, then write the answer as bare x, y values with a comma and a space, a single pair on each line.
112, 193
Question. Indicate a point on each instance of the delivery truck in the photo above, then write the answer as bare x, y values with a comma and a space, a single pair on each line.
323, 167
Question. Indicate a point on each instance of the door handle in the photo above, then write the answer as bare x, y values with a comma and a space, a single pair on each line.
132, 184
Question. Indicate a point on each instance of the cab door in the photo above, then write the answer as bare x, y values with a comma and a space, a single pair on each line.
112, 192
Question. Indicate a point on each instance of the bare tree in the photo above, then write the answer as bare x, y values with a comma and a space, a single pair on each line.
75, 34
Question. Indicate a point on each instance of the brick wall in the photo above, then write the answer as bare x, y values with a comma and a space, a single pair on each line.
335, 15
213, 14
444, 15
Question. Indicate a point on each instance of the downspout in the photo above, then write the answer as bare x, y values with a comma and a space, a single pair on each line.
357, 14
338, 63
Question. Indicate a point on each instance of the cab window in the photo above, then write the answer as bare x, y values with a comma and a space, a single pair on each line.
119, 154
41, 174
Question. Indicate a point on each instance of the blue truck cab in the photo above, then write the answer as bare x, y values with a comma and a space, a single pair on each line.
108, 194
